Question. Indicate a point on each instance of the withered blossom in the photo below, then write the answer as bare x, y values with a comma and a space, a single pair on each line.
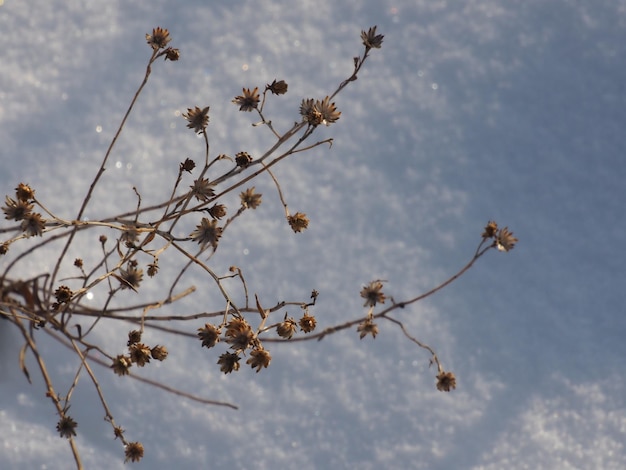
139, 354
372, 294
307, 323
188, 165
368, 327
159, 38
319, 112
250, 199
505, 241
33, 224
121, 364
63, 294
133, 452
210, 335
66, 427
159, 353
243, 159
134, 336
490, 229
277, 87
129, 236
78, 263
249, 100
446, 381
172, 54
371, 40
16, 210
198, 119
298, 222
207, 233
287, 328
153, 268
130, 278
202, 190
259, 358
4, 248
217, 211
239, 334
228, 362
25, 193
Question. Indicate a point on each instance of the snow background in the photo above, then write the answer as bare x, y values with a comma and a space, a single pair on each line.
471, 111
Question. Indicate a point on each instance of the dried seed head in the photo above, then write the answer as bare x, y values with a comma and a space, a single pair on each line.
153, 268
217, 211
287, 328
249, 199
63, 294
172, 54
188, 165
16, 210
130, 278
307, 323
4, 248
298, 222
66, 427
490, 229
133, 452
202, 190
102, 239
239, 334
129, 236
505, 241
368, 327
259, 358
24, 192
277, 88
446, 381
139, 354
198, 119
159, 38
316, 112
134, 336
159, 353
209, 335
372, 294
243, 159
33, 224
249, 100
121, 364
207, 233
228, 362
78, 263
371, 40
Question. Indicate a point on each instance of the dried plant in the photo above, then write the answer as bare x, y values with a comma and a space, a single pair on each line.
46, 304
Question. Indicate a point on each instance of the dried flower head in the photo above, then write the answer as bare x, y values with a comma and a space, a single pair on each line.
16, 210
188, 165
368, 327
319, 112
446, 381
277, 87
287, 328
139, 354
239, 334
490, 229
63, 294
207, 233
102, 239
209, 335
159, 353
249, 100
33, 224
130, 278
4, 248
228, 362
159, 38
505, 241
298, 222
371, 40
24, 193
172, 54
121, 364
217, 211
133, 452
153, 268
250, 199
243, 159
259, 358
66, 427
129, 236
198, 119
202, 190
134, 336
78, 263
372, 294
307, 322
